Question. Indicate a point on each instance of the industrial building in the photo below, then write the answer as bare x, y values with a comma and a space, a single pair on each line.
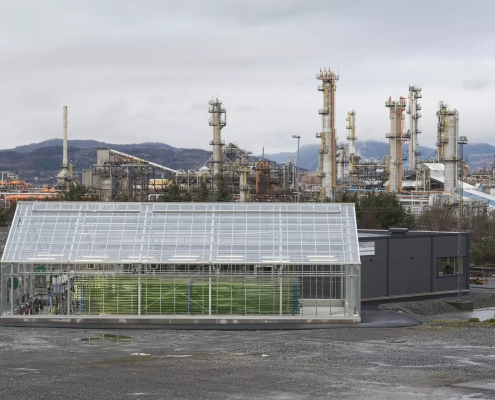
403, 264
203, 260
340, 166
117, 176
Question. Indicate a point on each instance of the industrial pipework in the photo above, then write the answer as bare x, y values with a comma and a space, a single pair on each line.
142, 160
351, 137
447, 140
341, 160
395, 136
327, 151
414, 130
243, 178
63, 176
218, 122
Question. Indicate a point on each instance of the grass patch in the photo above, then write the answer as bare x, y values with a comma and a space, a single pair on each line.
471, 322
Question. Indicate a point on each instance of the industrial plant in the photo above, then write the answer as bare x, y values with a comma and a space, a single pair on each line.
117, 176
130, 252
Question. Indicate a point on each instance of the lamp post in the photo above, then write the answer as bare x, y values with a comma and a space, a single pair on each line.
297, 165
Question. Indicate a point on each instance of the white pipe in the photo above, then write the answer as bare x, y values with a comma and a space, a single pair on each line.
152, 164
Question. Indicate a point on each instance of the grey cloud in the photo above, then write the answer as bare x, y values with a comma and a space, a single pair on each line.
132, 71
478, 84
245, 108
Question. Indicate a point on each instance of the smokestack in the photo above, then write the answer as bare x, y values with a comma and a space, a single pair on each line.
63, 176
65, 162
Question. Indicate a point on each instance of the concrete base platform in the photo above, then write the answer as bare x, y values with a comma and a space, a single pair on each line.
370, 318
179, 322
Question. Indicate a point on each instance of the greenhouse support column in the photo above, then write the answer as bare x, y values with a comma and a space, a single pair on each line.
139, 293
68, 292
209, 292
11, 289
280, 284
347, 293
357, 270
351, 295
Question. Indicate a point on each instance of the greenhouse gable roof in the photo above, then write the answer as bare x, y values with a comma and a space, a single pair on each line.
183, 233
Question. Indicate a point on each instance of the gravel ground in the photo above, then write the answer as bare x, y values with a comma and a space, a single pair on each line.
403, 363
423, 309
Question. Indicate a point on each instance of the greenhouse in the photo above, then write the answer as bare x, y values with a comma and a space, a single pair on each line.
191, 260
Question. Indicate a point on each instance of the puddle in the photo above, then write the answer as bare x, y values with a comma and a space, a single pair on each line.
108, 336
481, 313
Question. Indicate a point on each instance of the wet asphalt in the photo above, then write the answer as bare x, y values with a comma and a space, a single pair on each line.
419, 362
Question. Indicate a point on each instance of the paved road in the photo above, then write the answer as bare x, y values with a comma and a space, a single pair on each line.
404, 363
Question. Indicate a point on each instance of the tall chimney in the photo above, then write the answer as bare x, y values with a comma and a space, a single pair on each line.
63, 176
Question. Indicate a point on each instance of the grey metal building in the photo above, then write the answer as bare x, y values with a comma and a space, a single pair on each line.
400, 263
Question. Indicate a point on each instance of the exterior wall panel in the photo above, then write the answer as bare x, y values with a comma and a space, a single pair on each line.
410, 267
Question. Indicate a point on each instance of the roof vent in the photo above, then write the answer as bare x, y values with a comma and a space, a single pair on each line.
398, 231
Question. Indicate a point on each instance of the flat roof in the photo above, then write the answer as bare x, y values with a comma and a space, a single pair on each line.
182, 233
372, 233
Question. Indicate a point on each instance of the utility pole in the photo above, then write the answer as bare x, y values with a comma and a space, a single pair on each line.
460, 259
298, 137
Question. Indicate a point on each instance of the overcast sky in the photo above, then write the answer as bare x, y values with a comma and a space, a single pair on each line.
144, 70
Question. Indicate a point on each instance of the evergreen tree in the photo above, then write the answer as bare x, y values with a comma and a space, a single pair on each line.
223, 191
377, 210
203, 193
79, 192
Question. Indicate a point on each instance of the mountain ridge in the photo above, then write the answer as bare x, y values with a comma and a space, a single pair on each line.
477, 154
41, 162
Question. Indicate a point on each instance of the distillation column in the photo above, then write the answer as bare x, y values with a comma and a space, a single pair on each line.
327, 151
243, 179
341, 159
218, 120
397, 108
351, 136
448, 138
64, 175
441, 136
414, 114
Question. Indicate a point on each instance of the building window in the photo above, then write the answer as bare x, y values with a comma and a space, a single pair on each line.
450, 266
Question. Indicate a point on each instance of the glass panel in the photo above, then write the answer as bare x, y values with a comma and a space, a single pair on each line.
183, 233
